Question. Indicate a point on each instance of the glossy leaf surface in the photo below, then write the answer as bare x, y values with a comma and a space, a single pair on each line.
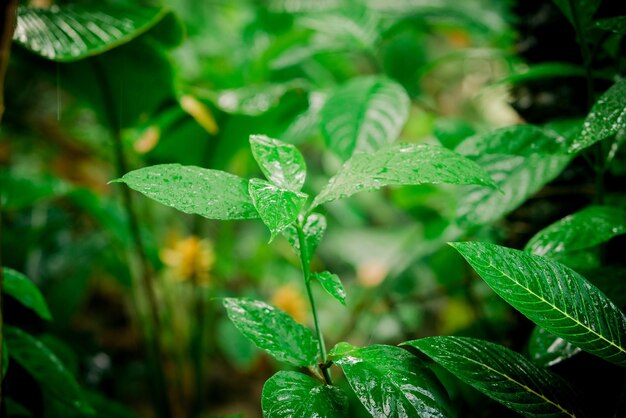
210, 193
606, 118
293, 394
331, 284
46, 368
273, 331
501, 374
314, 228
522, 140
72, 32
584, 229
517, 177
401, 165
615, 24
282, 163
277, 207
25, 291
390, 382
363, 115
546, 349
553, 296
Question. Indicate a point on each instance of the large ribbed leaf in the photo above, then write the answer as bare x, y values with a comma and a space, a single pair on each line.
522, 140
296, 395
517, 177
553, 296
277, 207
274, 331
363, 115
390, 382
502, 374
72, 32
401, 165
24, 290
606, 118
546, 349
584, 229
615, 24
54, 378
281, 163
211, 193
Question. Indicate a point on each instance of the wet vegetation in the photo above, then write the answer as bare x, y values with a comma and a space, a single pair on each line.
298, 208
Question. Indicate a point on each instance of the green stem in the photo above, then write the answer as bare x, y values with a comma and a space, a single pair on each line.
155, 348
306, 273
600, 151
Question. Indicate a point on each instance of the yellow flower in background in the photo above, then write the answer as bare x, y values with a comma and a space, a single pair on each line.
289, 299
190, 259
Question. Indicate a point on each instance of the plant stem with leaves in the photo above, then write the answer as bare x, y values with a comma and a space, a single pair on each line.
306, 273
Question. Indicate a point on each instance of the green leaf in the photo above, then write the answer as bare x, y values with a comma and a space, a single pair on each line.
585, 11
46, 368
614, 24
517, 178
606, 118
553, 296
108, 82
313, 229
20, 191
390, 382
210, 193
274, 331
522, 140
546, 349
584, 229
20, 287
293, 394
332, 284
277, 207
72, 32
401, 165
501, 374
544, 70
282, 163
363, 115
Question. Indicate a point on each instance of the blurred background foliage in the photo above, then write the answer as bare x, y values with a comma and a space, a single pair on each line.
190, 89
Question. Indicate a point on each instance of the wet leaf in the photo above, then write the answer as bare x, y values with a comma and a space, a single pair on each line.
331, 284
210, 193
522, 140
606, 118
546, 349
553, 296
277, 207
401, 165
293, 394
72, 32
614, 24
282, 163
517, 177
46, 368
363, 115
313, 229
273, 331
501, 374
390, 382
584, 229
25, 291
